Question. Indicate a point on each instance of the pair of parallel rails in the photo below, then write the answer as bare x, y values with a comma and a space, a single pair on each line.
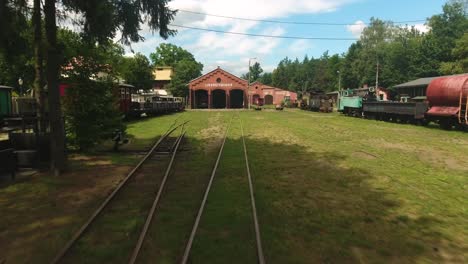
172, 149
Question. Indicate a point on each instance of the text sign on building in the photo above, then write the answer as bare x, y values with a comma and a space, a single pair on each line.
218, 85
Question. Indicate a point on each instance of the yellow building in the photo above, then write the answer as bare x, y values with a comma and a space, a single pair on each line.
162, 76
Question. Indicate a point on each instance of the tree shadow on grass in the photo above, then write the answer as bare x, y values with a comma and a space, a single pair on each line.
315, 209
312, 209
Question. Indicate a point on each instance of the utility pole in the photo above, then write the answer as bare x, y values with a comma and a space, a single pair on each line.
339, 80
20, 82
339, 89
377, 76
248, 84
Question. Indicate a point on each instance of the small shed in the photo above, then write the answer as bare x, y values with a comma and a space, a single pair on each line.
414, 88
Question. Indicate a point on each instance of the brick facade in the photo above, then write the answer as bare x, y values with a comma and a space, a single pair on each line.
221, 89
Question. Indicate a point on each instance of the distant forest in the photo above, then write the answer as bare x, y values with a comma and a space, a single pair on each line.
401, 53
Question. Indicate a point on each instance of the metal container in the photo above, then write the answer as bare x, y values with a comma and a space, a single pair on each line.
350, 102
24, 106
445, 91
413, 110
5, 101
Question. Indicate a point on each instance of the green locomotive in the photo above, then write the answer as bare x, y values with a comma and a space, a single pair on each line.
5, 101
350, 103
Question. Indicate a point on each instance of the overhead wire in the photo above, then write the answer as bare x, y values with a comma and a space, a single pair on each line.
291, 22
262, 35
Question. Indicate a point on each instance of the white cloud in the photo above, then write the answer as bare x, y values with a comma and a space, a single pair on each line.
259, 9
145, 47
230, 51
236, 67
300, 46
356, 28
223, 45
419, 27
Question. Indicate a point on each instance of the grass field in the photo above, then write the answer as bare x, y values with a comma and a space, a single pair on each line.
328, 189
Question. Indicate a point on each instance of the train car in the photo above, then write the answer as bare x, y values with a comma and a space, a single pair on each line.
5, 101
413, 112
317, 102
448, 101
17, 111
326, 105
23, 106
163, 104
446, 104
350, 103
314, 103
125, 92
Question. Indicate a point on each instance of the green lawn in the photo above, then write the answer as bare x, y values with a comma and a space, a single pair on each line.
329, 188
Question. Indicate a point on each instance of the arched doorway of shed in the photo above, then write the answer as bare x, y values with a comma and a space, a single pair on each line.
201, 99
237, 98
219, 98
268, 99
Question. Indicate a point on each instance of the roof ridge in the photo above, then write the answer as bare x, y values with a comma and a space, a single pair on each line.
211, 72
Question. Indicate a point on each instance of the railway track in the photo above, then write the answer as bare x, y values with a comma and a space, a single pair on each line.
163, 146
188, 247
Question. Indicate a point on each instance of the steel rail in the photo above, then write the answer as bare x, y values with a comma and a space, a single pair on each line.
261, 258
205, 197
85, 226
149, 218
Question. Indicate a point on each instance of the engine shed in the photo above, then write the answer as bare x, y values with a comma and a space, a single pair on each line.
220, 89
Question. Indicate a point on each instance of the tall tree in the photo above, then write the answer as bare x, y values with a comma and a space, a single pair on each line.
184, 71
101, 21
446, 29
15, 44
267, 78
57, 130
167, 54
38, 64
460, 54
185, 67
255, 72
138, 71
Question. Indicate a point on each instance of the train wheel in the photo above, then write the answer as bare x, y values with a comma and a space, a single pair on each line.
446, 124
461, 127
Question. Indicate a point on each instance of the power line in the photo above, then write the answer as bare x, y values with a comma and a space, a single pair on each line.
292, 22
260, 35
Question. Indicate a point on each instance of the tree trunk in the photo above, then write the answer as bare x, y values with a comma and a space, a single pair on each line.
38, 68
2, 22
57, 132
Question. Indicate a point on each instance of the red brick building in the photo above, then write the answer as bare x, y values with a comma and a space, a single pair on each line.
221, 89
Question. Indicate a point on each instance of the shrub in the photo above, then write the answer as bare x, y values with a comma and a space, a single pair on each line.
91, 111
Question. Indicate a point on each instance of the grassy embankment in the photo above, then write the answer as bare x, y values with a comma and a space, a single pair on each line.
329, 189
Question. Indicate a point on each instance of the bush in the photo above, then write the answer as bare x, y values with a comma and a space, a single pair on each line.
91, 112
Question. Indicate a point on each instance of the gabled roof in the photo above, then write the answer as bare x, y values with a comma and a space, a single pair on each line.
416, 83
267, 87
264, 86
215, 71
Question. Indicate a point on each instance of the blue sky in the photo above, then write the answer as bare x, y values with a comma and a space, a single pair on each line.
232, 52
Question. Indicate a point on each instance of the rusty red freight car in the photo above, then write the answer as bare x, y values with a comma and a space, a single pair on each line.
448, 101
